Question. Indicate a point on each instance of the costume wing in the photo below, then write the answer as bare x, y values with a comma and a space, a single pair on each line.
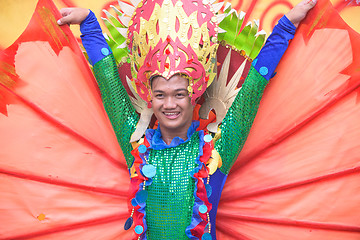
298, 174
62, 173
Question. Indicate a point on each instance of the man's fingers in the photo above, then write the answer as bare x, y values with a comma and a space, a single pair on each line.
64, 20
64, 13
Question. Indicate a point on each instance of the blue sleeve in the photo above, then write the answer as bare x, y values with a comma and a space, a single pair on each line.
274, 48
93, 40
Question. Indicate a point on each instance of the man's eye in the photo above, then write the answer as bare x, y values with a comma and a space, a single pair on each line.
180, 95
159, 95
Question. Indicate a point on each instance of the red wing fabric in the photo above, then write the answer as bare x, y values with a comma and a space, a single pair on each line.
62, 173
298, 174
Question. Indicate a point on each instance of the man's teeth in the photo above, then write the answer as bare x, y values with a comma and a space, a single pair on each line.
171, 114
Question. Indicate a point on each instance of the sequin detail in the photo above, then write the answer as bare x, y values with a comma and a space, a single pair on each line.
239, 119
263, 71
166, 213
202, 206
138, 189
117, 104
105, 51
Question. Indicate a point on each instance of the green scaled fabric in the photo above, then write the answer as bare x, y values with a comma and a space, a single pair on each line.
239, 119
170, 202
117, 104
243, 38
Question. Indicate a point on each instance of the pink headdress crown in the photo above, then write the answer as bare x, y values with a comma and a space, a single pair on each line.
168, 37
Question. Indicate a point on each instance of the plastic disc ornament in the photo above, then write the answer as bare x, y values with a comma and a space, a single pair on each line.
148, 170
142, 149
139, 229
203, 209
207, 138
206, 236
141, 196
134, 202
128, 223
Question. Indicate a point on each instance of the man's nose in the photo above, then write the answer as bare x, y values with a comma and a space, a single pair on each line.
169, 103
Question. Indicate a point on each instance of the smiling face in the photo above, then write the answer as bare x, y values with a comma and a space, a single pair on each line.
172, 105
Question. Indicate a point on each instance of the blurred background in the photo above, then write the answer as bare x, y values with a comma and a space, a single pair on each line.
15, 14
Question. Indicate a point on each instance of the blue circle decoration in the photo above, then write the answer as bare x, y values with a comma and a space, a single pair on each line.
142, 148
203, 209
207, 138
139, 229
128, 223
206, 236
141, 196
263, 71
148, 170
105, 51
133, 202
208, 190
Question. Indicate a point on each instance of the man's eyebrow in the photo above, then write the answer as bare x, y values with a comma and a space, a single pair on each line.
180, 89
158, 91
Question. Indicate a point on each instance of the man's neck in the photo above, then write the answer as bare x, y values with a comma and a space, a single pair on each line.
168, 135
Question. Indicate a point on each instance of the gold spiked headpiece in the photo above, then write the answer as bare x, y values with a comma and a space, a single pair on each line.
168, 37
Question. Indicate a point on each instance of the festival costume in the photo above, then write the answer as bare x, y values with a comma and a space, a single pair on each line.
63, 173
182, 194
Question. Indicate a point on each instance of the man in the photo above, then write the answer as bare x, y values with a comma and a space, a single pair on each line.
174, 195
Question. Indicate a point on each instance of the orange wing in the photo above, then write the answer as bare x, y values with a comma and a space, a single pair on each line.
62, 173
298, 174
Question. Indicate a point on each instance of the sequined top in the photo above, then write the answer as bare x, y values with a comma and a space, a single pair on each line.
169, 206
170, 201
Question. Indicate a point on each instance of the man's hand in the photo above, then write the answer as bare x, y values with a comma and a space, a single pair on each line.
299, 12
73, 15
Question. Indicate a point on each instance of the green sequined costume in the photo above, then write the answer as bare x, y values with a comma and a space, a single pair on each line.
172, 207
170, 201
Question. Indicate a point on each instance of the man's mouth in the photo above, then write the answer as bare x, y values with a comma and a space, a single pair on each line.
171, 115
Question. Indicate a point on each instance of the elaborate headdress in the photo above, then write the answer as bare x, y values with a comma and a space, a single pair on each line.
168, 37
